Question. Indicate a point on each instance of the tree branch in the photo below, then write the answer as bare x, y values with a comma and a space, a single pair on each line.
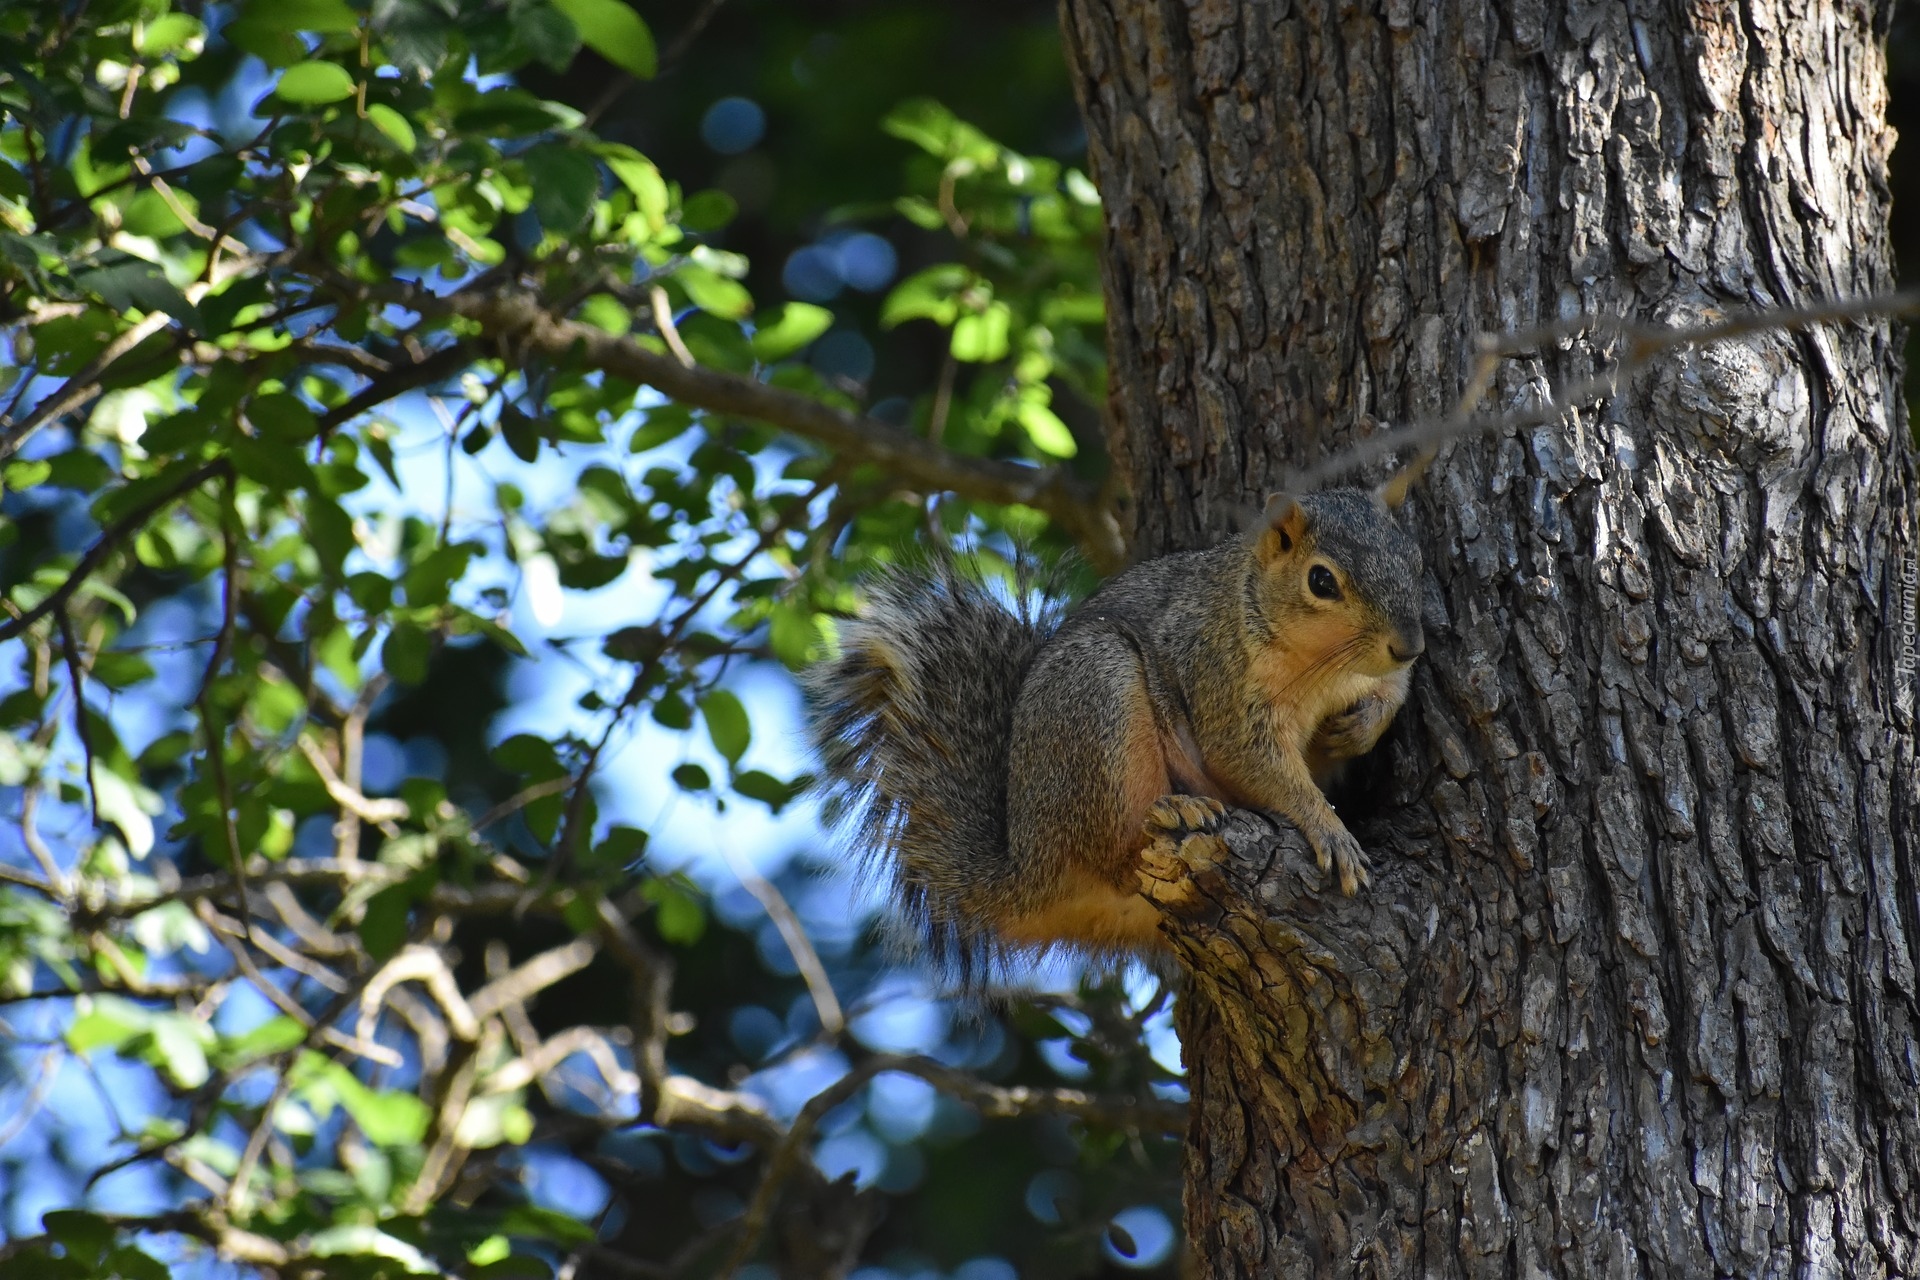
75, 390
520, 321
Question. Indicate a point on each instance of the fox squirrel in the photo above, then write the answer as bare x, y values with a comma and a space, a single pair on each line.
1005, 769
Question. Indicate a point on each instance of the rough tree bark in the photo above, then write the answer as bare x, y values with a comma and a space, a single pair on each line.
1634, 991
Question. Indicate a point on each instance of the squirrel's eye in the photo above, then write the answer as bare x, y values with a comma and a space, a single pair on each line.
1320, 581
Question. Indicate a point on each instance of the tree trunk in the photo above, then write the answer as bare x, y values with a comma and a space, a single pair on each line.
1634, 989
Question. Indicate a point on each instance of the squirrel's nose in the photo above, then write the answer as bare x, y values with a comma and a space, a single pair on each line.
1403, 648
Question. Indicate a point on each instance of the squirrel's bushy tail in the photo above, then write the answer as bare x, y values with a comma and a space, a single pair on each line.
911, 723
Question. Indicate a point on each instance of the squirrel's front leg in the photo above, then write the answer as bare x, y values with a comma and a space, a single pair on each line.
1290, 791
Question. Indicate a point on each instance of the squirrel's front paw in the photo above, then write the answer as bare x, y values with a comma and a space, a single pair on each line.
1352, 732
1337, 850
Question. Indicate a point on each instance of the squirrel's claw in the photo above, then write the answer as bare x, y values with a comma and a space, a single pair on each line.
1173, 815
1338, 851
1182, 842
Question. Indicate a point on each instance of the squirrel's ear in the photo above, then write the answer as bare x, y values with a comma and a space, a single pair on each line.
1393, 491
1285, 522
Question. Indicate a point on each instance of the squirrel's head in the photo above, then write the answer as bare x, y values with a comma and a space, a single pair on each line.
1336, 571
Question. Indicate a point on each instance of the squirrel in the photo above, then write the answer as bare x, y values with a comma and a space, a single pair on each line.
1004, 769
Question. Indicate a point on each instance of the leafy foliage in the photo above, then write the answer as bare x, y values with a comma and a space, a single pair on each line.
296, 478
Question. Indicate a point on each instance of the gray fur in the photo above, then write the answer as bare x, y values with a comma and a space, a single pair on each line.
912, 724
976, 750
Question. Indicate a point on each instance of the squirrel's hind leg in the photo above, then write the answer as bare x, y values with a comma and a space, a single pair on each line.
1182, 841
1087, 765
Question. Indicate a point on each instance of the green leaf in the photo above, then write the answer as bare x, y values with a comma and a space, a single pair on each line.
129, 1263
622, 848
691, 777
708, 210
638, 175
85, 1236
931, 294
127, 805
430, 578
664, 422
680, 917
727, 724
672, 712
275, 1035
383, 925
546, 1224
271, 464
138, 286
983, 338
406, 652
544, 32
330, 17
180, 1043
615, 32
119, 670
168, 32
1044, 427
392, 124
794, 633
565, 185
528, 753
520, 432
330, 533
767, 789
108, 1023
388, 1117
714, 294
607, 313
147, 214
506, 113
24, 475
283, 418
936, 130
789, 329
314, 83
266, 41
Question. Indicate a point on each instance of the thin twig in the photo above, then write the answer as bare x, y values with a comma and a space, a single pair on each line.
1643, 342
533, 976
27, 880
76, 674
799, 945
663, 321
105, 544
669, 58
353, 738
78, 388
30, 836
211, 727
36, 1094
520, 800
383, 813
236, 1198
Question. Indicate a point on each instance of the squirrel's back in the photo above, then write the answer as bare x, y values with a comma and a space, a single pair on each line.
912, 723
